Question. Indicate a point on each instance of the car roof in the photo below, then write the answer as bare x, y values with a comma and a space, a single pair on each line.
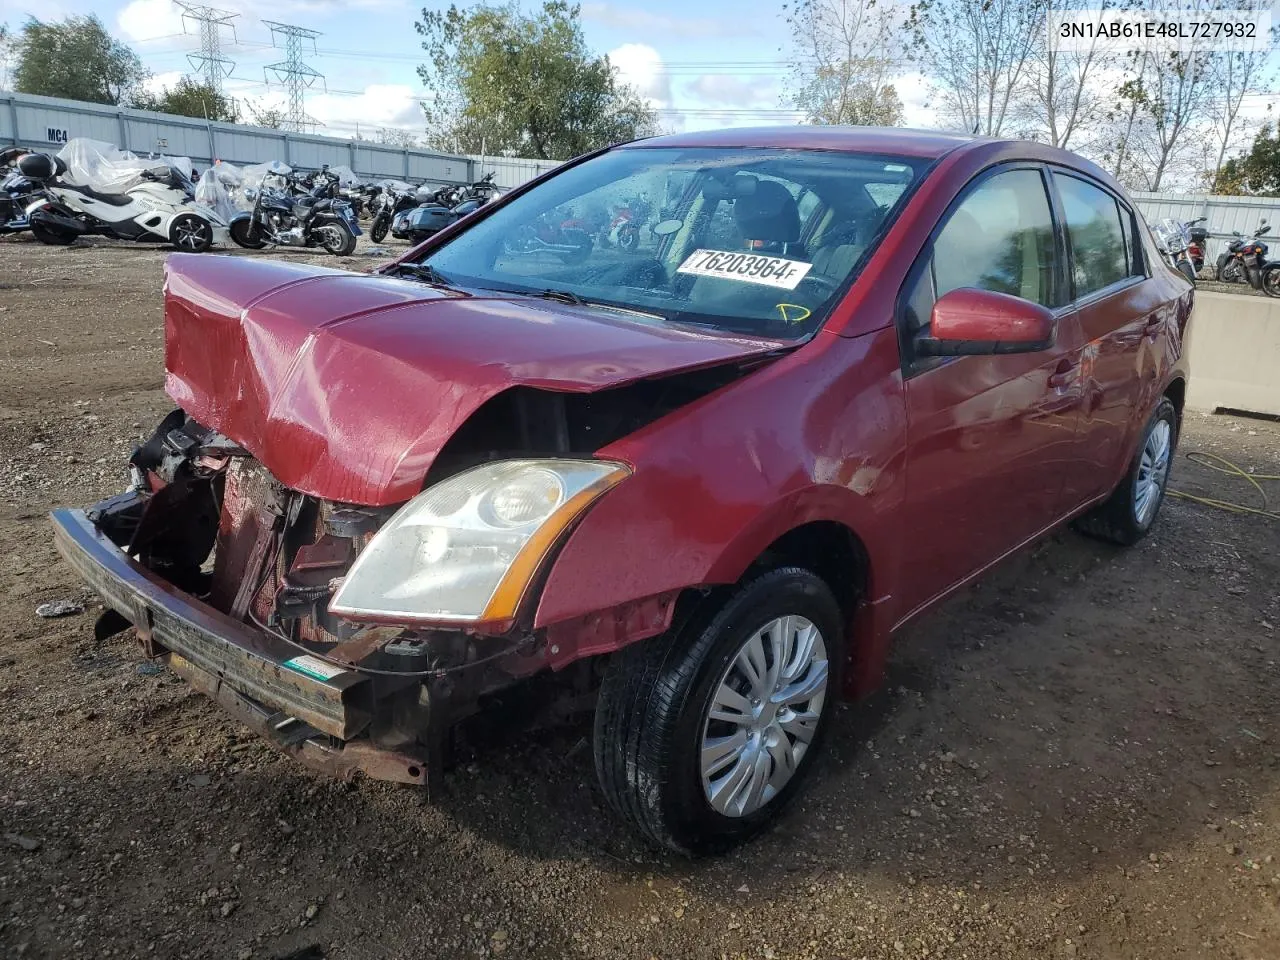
894, 141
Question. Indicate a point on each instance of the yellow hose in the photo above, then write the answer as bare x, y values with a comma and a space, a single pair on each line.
1223, 465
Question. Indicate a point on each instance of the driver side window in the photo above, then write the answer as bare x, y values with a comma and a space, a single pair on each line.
1001, 238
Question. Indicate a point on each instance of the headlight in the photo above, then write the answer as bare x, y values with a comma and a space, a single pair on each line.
466, 549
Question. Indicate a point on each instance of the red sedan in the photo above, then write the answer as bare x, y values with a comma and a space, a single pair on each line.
700, 477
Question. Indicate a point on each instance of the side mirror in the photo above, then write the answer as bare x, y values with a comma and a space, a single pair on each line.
969, 322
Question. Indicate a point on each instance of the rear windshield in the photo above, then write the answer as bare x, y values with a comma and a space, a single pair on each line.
749, 241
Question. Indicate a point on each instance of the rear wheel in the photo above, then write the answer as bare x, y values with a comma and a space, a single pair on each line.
704, 734
1129, 513
337, 238
244, 233
190, 233
53, 236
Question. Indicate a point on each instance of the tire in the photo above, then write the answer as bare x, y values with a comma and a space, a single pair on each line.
243, 234
1187, 270
337, 238
191, 233
52, 235
628, 239
1126, 517
1226, 270
653, 716
1271, 280
381, 224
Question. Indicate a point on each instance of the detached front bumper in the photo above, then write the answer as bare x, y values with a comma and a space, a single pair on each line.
244, 669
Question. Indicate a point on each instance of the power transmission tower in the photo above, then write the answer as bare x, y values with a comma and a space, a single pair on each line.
294, 74
209, 62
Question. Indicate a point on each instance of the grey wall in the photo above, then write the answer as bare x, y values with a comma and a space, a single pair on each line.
40, 123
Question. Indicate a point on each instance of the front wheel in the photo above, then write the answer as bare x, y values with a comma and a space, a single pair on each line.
244, 233
378, 232
1187, 270
337, 238
1129, 513
704, 734
1271, 280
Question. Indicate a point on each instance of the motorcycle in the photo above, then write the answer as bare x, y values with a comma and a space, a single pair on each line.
558, 233
393, 203
160, 208
441, 207
1174, 240
1199, 242
624, 228
287, 213
17, 191
1232, 266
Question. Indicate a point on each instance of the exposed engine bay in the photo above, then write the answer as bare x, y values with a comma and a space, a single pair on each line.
205, 516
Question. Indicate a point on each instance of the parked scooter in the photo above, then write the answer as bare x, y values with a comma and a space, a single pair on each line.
160, 208
283, 217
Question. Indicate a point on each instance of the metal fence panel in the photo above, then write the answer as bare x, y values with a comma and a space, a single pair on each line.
511, 171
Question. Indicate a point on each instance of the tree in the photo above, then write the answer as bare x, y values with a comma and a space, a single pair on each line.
1235, 74
189, 98
263, 115
76, 59
1066, 98
976, 54
1256, 172
845, 56
502, 81
395, 137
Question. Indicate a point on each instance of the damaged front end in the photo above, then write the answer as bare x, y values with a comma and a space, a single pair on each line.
246, 589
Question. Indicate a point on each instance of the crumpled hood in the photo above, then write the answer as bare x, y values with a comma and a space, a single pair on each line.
346, 386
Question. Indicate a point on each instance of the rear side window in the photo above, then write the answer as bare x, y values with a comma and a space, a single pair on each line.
1000, 238
1099, 251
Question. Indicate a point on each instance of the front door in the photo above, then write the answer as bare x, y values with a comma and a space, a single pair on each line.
989, 437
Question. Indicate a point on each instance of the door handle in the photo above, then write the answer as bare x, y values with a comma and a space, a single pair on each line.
1063, 374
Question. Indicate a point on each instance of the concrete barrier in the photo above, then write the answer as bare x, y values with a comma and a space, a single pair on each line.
1234, 352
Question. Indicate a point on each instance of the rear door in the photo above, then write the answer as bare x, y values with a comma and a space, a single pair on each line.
1120, 319
989, 437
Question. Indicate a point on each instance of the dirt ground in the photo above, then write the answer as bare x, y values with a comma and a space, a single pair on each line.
1077, 758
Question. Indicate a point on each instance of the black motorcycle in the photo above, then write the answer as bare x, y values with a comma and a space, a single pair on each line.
298, 212
393, 202
17, 192
1233, 263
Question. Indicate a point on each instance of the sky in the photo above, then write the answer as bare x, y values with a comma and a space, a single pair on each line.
725, 65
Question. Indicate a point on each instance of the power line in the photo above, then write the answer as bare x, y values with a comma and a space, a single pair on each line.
297, 76
209, 61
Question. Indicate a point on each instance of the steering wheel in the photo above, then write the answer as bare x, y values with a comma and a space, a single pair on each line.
826, 285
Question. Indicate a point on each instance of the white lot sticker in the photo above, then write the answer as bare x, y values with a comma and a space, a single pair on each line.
312, 667
747, 267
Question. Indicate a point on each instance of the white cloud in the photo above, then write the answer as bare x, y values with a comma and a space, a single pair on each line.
157, 82
380, 105
917, 110
725, 90
640, 66
143, 20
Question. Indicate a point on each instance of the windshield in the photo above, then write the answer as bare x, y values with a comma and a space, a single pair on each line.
752, 241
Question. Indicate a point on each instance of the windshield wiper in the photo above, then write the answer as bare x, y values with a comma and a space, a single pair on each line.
424, 272
568, 296
563, 296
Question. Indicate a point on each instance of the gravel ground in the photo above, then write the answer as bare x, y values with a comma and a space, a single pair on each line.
1078, 757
